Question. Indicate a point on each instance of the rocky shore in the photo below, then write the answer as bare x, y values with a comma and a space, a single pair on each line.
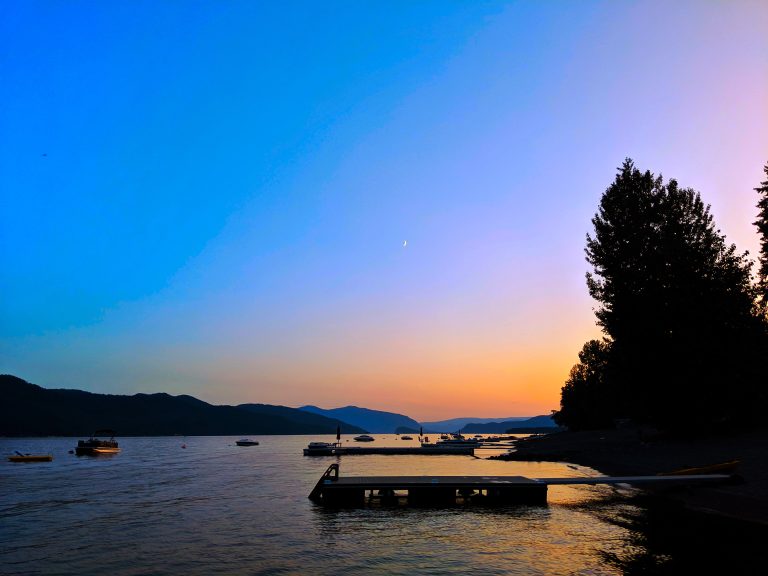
639, 451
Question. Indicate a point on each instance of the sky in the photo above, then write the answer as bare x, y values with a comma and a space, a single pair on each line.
212, 197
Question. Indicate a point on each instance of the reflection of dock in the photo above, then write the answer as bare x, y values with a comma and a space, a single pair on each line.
332, 450
333, 490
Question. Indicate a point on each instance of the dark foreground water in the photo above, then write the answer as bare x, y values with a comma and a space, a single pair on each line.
216, 508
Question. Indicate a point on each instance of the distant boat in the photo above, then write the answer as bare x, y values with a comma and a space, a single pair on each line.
19, 457
364, 438
95, 447
497, 438
443, 445
406, 437
320, 445
246, 442
459, 442
322, 448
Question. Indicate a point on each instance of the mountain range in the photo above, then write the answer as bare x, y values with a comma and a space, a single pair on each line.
30, 410
375, 421
454, 424
530, 425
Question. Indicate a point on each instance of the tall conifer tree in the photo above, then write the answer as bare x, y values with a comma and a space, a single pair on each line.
675, 301
762, 228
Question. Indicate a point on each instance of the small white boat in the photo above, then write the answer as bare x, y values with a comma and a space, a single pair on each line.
322, 448
459, 442
320, 445
364, 438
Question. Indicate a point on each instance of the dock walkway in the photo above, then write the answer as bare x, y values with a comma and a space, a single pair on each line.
444, 490
389, 450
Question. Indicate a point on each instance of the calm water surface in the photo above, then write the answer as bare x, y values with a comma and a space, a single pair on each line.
216, 508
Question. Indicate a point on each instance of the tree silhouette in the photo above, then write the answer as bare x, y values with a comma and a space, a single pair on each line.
676, 303
762, 228
586, 397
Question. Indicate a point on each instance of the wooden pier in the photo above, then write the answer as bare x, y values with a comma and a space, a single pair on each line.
332, 490
390, 450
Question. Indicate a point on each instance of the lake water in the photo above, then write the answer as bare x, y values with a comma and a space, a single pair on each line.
216, 508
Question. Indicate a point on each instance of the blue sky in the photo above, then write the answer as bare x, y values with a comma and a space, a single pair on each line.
211, 197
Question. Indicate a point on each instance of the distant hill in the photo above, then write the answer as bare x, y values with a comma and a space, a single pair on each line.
535, 424
302, 418
30, 410
454, 424
375, 421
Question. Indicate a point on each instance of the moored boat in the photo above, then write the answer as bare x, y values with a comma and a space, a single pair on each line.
459, 442
406, 437
321, 448
97, 447
498, 438
320, 445
458, 446
364, 438
19, 457
246, 442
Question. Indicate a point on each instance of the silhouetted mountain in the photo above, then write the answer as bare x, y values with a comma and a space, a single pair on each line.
535, 424
301, 417
30, 410
375, 421
454, 424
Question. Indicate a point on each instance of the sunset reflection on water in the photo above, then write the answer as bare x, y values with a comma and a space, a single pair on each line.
214, 507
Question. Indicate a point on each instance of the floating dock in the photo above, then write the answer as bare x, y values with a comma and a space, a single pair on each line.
332, 490
390, 450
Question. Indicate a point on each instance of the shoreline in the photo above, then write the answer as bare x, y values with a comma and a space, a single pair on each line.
638, 451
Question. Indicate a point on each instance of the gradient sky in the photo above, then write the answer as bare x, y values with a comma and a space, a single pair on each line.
212, 197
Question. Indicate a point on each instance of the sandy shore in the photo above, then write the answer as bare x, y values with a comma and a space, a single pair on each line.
634, 451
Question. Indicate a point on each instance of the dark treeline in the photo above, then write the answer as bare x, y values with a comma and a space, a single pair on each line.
684, 321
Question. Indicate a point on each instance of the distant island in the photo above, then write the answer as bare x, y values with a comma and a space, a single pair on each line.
30, 410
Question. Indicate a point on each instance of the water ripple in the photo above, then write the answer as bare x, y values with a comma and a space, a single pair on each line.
215, 508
